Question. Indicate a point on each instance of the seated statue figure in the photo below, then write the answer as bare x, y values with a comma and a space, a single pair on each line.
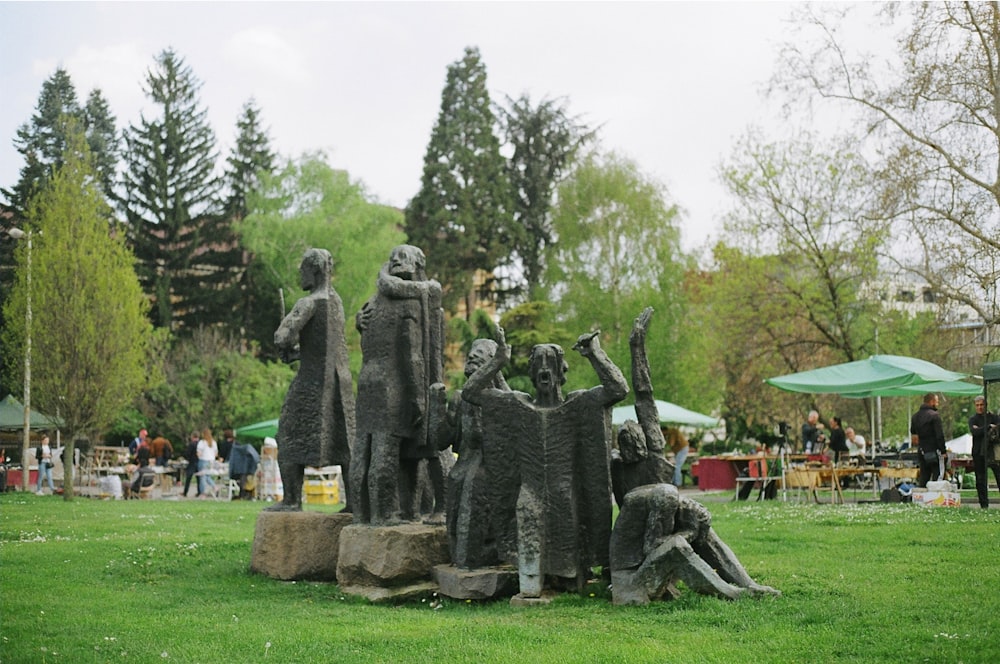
660, 538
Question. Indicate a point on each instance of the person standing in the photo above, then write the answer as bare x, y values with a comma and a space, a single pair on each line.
927, 433
208, 452
812, 434
191, 456
44, 457
979, 426
226, 444
679, 445
269, 486
162, 450
838, 439
133, 447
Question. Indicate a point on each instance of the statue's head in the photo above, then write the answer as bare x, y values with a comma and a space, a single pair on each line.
482, 351
548, 370
315, 269
408, 262
631, 442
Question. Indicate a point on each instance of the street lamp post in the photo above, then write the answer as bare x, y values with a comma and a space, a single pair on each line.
17, 234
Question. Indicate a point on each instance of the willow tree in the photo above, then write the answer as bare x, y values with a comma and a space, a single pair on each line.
618, 251
305, 204
89, 333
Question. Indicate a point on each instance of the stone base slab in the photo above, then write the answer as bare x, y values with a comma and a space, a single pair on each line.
389, 556
297, 546
481, 583
398, 594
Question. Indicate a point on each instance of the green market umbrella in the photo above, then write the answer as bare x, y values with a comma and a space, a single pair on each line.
265, 429
879, 375
668, 413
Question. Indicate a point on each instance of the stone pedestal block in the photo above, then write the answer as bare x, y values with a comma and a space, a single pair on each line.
390, 562
297, 546
481, 583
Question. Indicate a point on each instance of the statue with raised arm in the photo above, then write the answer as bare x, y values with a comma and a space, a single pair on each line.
402, 346
552, 513
316, 427
458, 423
638, 457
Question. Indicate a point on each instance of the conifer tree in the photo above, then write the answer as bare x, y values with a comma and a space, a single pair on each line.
103, 140
543, 139
461, 216
189, 262
251, 156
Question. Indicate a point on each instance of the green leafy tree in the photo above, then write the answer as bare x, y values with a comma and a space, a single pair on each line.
462, 215
933, 109
618, 251
797, 277
42, 141
189, 261
90, 333
309, 204
211, 382
544, 140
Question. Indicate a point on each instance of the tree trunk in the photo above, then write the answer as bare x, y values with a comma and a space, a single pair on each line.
68, 469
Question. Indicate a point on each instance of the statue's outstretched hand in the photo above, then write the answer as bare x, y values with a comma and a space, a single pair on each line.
586, 344
641, 325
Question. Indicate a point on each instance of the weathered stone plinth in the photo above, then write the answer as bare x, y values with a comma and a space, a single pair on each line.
294, 546
481, 583
546, 598
390, 563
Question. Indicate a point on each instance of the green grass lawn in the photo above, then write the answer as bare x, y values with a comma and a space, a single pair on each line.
144, 581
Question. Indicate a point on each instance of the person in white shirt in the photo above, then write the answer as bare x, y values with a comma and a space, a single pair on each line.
45, 461
208, 452
855, 443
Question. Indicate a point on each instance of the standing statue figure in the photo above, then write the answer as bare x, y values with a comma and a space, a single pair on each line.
402, 346
316, 427
458, 423
638, 459
562, 455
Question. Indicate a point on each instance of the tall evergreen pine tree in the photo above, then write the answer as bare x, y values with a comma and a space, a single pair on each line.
251, 156
461, 217
42, 141
189, 261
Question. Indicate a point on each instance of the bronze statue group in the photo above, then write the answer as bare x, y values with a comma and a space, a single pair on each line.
532, 486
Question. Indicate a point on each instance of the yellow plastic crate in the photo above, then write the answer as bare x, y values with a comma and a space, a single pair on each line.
322, 492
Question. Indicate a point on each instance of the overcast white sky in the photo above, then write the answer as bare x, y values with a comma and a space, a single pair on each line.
673, 84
